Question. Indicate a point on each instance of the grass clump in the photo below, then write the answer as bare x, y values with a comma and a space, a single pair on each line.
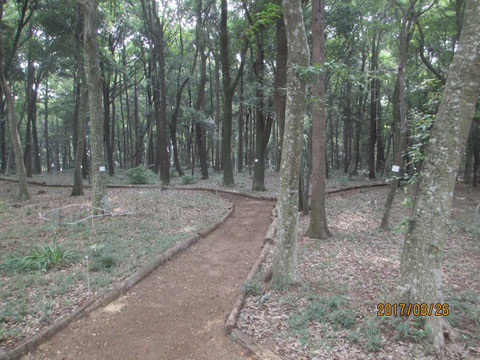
140, 175
253, 288
41, 258
188, 179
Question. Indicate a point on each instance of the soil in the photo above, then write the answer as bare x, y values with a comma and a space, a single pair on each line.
177, 312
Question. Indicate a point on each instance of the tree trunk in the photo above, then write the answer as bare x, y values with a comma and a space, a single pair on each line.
400, 111
280, 82
241, 112
318, 227
420, 275
12, 122
77, 189
228, 90
47, 145
264, 123
373, 110
285, 264
199, 128
99, 196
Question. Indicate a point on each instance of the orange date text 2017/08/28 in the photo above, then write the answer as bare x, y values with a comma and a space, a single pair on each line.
403, 309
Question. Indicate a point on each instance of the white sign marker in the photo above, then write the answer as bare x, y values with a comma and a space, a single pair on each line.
101, 168
395, 168
256, 160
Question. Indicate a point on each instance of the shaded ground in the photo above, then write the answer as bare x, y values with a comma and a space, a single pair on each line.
332, 315
31, 298
243, 181
178, 311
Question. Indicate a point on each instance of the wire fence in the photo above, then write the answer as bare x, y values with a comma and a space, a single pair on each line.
78, 213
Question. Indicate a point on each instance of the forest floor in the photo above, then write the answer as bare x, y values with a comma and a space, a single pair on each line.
243, 181
43, 266
332, 314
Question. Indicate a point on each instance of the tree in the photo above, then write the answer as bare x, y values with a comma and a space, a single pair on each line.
229, 87
420, 275
409, 18
280, 82
156, 34
99, 180
318, 221
285, 267
12, 116
82, 94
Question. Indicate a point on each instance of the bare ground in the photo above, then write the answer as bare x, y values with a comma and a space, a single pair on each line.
178, 311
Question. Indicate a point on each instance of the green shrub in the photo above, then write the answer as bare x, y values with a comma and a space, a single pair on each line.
253, 287
107, 261
42, 258
188, 179
140, 175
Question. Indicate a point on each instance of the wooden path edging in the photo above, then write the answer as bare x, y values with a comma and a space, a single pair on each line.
239, 337
32, 343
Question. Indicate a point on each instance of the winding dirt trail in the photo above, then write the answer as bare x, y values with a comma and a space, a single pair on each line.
179, 310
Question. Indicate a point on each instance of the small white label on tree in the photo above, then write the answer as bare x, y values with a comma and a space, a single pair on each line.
395, 168
256, 160
101, 168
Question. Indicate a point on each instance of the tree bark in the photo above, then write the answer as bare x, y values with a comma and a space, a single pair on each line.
318, 227
77, 189
285, 264
280, 82
99, 180
420, 275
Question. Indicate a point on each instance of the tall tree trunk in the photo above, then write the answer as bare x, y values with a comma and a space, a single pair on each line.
400, 111
199, 103
280, 82
31, 108
373, 109
318, 220
12, 122
264, 123
99, 197
380, 147
347, 120
241, 113
228, 90
47, 144
82, 92
420, 274
285, 264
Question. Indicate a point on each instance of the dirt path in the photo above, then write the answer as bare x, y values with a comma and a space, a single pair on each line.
178, 311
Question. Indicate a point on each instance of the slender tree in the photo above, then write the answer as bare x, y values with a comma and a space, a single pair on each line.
229, 87
318, 220
285, 266
409, 17
82, 108
12, 116
99, 180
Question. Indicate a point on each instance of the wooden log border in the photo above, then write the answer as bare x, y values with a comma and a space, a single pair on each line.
32, 343
230, 327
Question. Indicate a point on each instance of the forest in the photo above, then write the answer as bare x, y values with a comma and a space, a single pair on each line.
319, 159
